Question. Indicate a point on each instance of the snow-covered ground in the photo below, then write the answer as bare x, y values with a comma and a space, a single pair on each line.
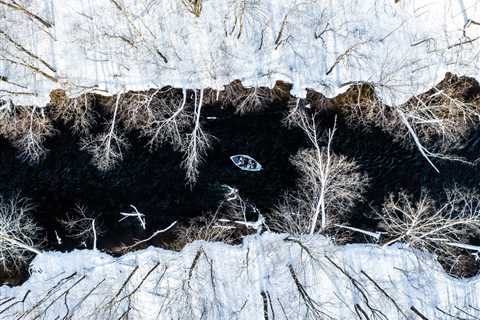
112, 46
287, 278
402, 47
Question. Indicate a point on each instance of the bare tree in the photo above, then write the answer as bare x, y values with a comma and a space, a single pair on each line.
137, 109
18, 233
20, 54
231, 92
107, 147
31, 142
161, 116
16, 6
435, 121
329, 184
77, 111
170, 121
246, 100
196, 145
314, 102
207, 228
82, 226
253, 99
290, 216
246, 15
228, 223
27, 128
427, 225
153, 235
362, 108
137, 214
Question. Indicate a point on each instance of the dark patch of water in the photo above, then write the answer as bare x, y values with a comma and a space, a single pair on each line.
393, 167
153, 182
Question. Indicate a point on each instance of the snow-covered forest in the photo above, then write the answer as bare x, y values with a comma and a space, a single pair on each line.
239, 159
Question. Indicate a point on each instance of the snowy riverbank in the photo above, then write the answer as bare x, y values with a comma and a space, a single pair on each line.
286, 278
402, 47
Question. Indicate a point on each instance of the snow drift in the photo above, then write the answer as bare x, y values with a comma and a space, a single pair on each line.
269, 276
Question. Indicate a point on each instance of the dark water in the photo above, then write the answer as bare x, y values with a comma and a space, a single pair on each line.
393, 167
154, 182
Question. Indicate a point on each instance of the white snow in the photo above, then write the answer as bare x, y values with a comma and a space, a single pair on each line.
402, 48
218, 281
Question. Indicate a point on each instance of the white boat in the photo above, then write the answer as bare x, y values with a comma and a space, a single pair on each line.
246, 163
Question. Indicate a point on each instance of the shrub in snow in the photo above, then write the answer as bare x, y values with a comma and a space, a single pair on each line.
18, 233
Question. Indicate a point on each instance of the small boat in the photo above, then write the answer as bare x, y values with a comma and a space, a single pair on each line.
246, 163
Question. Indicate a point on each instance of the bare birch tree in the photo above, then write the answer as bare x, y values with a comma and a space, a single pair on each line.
196, 144
329, 184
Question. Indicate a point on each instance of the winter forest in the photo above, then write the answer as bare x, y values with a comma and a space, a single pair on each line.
239, 159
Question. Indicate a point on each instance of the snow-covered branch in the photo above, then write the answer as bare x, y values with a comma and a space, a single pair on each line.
140, 216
